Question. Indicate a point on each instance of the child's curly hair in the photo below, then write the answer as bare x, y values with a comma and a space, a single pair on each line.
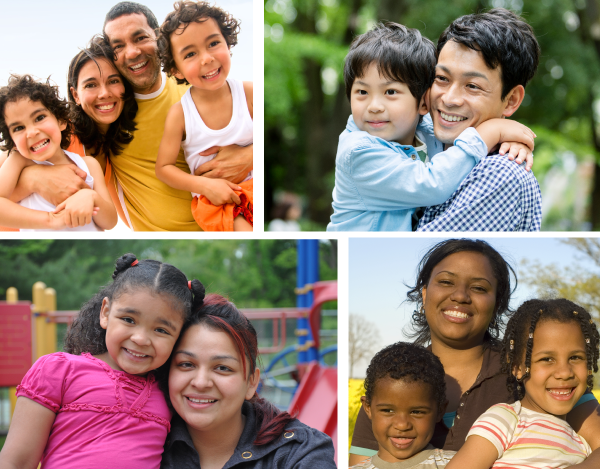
407, 362
519, 336
186, 12
25, 86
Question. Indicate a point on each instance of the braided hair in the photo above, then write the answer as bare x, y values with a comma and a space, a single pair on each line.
86, 334
408, 362
519, 335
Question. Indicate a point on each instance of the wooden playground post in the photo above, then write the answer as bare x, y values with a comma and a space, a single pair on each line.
44, 300
12, 296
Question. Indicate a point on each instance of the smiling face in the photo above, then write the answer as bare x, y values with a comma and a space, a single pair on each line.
201, 54
403, 415
141, 330
207, 385
558, 375
35, 130
460, 298
100, 92
385, 108
466, 92
134, 44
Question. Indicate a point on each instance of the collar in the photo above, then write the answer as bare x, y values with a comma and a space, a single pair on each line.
144, 97
407, 463
245, 450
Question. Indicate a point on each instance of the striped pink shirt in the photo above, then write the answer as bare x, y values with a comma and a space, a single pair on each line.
526, 439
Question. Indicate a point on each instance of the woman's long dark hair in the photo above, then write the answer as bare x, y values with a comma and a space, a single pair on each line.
502, 272
86, 334
120, 132
220, 314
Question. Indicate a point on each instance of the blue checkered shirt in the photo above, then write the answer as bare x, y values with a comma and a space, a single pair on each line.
497, 195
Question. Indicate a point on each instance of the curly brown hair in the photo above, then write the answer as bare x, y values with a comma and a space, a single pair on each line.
25, 86
186, 12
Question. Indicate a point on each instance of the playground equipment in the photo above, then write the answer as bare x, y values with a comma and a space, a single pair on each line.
28, 331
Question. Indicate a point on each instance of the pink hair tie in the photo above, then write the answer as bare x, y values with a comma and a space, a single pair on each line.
190, 284
134, 263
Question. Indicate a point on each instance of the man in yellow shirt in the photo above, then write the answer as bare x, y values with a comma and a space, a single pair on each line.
143, 202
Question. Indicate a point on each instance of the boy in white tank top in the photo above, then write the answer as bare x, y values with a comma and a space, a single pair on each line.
35, 121
194, 46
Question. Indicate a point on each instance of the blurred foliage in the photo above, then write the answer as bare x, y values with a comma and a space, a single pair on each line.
356, 390
252, 273
306, 108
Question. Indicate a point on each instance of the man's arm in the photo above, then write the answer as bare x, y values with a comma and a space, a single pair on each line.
497, 195
53, 183
232, 163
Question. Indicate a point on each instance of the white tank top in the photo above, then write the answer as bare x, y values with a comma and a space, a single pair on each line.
198, 137
37, 202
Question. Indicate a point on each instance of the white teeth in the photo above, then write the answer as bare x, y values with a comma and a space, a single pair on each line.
106, 107
561, 393
202, 401
41, 145
452, 118
456, 314
211, 75
139, 355
138, 66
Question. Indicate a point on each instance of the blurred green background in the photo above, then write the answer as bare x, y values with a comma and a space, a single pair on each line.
306, 108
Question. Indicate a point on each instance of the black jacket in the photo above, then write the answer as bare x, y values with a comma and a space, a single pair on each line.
300, 447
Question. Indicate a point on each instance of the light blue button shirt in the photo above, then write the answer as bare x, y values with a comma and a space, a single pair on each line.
380, 184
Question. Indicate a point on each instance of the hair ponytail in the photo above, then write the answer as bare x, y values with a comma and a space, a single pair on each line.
130, 274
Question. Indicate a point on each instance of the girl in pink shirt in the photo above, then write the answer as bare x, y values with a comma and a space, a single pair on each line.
99, 405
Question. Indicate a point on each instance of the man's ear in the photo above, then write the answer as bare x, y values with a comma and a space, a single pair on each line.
366, 406
513, 100
424, 104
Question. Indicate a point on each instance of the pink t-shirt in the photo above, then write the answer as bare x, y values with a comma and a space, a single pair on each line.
104, 418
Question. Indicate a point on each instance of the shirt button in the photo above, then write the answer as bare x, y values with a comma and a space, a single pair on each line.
406, 148
414, 157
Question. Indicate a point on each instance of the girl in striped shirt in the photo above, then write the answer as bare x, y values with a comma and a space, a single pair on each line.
551, 350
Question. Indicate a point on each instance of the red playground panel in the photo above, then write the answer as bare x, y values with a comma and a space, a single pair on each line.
15, 342
315, 400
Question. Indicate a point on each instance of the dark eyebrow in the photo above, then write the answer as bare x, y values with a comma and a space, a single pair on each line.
185, 352
37, 111
472, 74
169, 324
214, 357
454, 275
134, 34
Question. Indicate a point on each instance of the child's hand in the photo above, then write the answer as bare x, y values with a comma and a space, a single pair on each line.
496, 131
219, 191
57, 221
79, 208
518, 152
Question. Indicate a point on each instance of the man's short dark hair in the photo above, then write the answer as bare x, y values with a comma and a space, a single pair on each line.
400, 53
130, 8
503, 38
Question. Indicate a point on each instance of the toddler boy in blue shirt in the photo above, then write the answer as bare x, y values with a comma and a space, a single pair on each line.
382, 173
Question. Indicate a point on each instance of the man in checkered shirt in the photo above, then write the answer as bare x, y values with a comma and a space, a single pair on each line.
485, 61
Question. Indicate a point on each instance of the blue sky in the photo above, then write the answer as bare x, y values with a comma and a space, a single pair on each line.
379, 267
41, 37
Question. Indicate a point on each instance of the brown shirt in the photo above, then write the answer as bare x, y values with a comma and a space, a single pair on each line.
489, 389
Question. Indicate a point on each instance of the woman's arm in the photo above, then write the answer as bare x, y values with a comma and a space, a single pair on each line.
106, 218
218, 191
585, 420
476, 453
28, 434
13, 215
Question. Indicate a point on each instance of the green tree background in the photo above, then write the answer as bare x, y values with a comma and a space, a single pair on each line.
306, 108
252, 273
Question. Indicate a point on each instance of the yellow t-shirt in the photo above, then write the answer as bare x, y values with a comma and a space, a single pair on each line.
148, 203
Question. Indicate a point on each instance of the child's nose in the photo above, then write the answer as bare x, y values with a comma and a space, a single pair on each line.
140, 337
207, 58
375, 105
401, 422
